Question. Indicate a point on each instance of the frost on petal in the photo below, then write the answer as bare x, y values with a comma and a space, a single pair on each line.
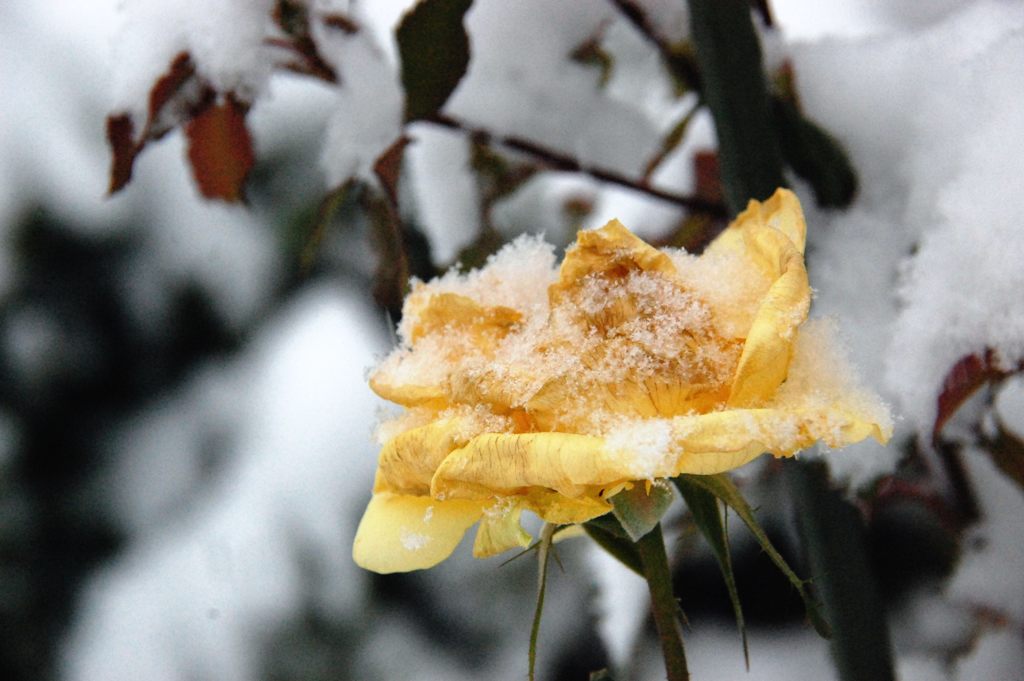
552, 391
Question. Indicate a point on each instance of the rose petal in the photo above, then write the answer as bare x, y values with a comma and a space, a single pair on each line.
600, 250
554, 508
499, 532
507, 464
399, 533
443, 311
408, 460
409, 395
772, 234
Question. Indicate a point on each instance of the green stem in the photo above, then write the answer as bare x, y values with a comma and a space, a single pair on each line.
663, 602
543, 551
833, 537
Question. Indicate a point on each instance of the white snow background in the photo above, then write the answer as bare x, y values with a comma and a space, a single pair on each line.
925, 267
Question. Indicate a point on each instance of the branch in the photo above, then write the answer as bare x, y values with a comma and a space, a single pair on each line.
679, 63
556, 160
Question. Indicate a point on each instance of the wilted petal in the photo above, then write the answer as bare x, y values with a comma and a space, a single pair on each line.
409, 395
499, 531
721, 441
607, 249
443, 311
399, 533
506, 464
408, 460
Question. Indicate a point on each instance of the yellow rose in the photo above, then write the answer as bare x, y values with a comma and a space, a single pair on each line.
527, 387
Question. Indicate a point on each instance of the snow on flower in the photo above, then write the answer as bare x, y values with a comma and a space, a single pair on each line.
552, 390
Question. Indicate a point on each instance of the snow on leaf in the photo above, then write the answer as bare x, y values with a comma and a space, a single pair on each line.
121, 130
434, 50
220, 150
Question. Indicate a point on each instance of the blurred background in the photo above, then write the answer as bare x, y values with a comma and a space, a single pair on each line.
186, 435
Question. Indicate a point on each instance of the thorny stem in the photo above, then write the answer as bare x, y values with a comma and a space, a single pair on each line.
663, 603
556, 160
543, 551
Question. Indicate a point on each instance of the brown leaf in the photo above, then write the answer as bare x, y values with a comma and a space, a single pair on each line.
124, 146
963, 380
121, 137
220, 150
708, 176
182, 69
388, 167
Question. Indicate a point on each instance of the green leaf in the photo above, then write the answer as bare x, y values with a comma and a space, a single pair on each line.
704, 507
639, 509
434, 51
815, 156
610, 536
734, 88
834, 539
723, 488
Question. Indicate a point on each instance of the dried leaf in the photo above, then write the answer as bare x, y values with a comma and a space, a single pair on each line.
220, 150
124, 146
121, 137
388, 167
181, 71
708, 176
967, 375
293, 19
591, 53
434, 51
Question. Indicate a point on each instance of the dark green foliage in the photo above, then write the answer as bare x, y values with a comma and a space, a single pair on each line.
834, 539
815, 156
434, 50
723, 488
734, 88
707, 516
640, 509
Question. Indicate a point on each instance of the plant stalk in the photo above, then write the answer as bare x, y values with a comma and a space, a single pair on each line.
833, 537
663, 603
